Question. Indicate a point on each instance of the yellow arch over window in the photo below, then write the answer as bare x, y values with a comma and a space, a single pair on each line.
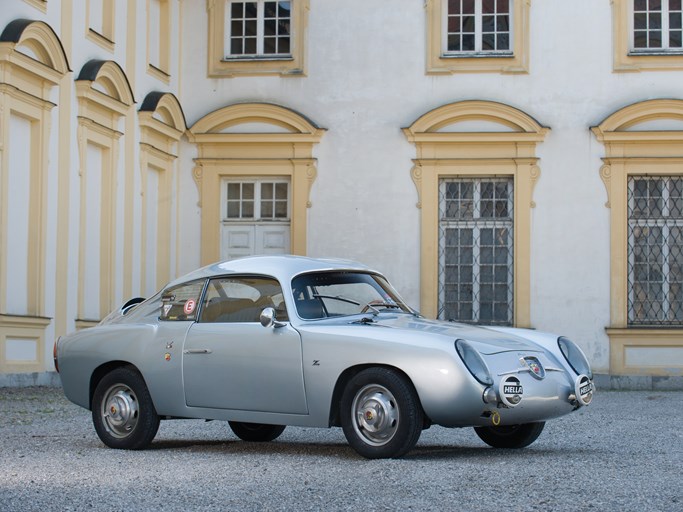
633, 150
285, 152
510, 151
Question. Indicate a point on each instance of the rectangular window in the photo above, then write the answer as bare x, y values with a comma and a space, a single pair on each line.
258, 29
476, 250
657, 26
655, 251
257, 201
478, 27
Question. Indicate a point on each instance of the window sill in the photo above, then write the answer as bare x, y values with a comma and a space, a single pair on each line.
158, 73
259, 58
478, 55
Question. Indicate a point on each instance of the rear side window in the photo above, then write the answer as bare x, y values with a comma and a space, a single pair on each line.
242, 299
181, 302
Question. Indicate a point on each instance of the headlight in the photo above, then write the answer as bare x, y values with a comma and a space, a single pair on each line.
474, 362
575, 356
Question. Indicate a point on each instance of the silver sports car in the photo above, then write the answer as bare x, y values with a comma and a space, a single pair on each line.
270, 341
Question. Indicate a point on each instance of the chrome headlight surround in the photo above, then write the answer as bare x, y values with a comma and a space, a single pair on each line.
474, 362
575, 357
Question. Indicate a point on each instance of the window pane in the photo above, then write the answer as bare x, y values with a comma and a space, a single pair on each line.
655, 4
236, 29
468, 42
236, 46
675, 39
454, 43
640, 39
655, 40
270, 27
488, 6
640, 21
250, 10
281, 191
675, 20
237, 10
284, 9
640, 5
488, 23
503, 6
248, 210
654, 21
266, 210
453, 6
283, 45
468, 6
248, 190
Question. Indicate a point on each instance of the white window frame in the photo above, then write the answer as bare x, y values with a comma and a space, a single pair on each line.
258, 198
664, 49
478, 35
260, 33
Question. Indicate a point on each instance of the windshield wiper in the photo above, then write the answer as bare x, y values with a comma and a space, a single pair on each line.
375, 311
338, 297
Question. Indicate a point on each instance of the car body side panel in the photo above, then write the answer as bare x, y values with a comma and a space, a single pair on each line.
244, 366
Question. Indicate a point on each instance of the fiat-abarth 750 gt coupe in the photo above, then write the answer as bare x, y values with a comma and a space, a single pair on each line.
271, 341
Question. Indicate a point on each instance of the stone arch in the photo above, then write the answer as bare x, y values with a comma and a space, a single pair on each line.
164, 107
108, 75
265, 113
627, 117
40, 39
479, 110
285, 151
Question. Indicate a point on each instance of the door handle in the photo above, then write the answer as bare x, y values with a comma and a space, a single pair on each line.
197, 351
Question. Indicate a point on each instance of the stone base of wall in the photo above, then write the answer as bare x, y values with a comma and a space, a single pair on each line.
24, 380
637, 383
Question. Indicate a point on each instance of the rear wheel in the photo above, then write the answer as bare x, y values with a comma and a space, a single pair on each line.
510, 436
256, 432
122, 410
381, 414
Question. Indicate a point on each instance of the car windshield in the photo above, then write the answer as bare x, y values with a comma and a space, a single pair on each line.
325, 294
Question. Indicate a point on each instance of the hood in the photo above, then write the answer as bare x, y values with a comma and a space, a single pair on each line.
486, 341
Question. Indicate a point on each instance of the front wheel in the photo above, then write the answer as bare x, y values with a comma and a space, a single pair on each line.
510, 436
256, 432
122, 411
381, 414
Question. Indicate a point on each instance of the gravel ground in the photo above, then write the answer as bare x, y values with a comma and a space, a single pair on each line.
623, 453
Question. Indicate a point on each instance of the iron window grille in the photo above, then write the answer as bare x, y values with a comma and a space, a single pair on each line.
478, 27
657, 26
655, 251
476, 250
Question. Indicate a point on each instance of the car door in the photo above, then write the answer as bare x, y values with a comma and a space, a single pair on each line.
230, 361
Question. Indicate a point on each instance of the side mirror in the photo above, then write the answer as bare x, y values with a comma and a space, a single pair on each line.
268, 319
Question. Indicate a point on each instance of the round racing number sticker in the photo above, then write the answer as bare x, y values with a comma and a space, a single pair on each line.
189, 307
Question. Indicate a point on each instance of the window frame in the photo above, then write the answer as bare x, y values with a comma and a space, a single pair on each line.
478, 34
291, 65
477, 222
258, 182
444, 154
516, 61
624, 58
635, 350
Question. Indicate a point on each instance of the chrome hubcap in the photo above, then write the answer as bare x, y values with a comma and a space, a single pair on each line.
120, 410
376, 414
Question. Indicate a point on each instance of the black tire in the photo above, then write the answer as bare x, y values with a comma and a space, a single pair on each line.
511, 436
122, 411
256, 432
381, 414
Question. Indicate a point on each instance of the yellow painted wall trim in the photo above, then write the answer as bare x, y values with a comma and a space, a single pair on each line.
218, 66
439, 63
41, 5
634, 153
98, 122
26, 84
224, 155
652, 340
30, 329
457, 154
626, 61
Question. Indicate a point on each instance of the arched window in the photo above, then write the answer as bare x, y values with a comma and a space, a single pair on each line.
254, 173
643, 174
162, 123
32, 66
475, 170
104, 97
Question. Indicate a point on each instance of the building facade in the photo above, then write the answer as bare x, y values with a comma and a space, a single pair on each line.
509, 162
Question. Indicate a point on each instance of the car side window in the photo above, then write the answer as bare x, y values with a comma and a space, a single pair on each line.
242, 299
181, 302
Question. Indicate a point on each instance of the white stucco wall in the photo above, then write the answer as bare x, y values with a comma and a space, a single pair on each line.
366, 80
